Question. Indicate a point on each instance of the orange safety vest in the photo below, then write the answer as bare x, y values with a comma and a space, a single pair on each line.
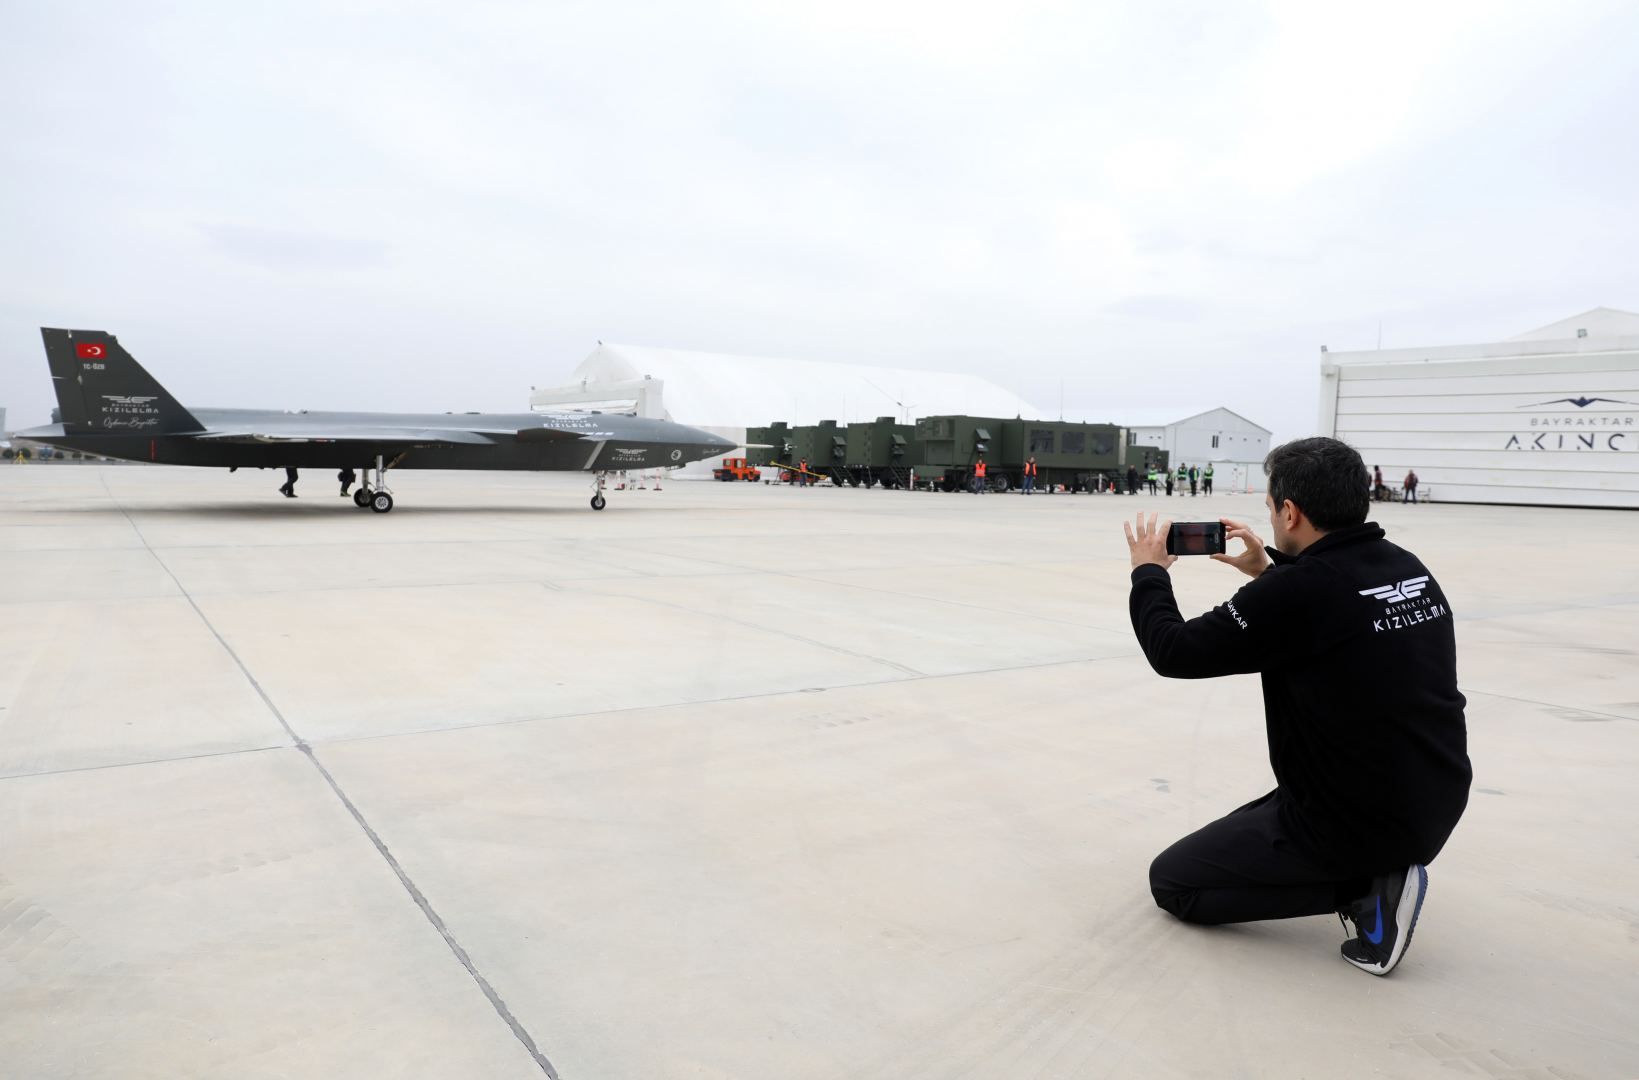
1029, 468
979, 470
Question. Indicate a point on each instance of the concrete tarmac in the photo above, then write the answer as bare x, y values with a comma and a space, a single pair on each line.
732, 781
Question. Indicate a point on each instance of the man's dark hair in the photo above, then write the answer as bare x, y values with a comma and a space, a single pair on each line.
1324, 478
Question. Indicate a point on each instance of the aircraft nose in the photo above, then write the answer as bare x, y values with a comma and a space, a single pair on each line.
700, 444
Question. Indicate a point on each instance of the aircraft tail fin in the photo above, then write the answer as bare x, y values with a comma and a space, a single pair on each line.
101, 388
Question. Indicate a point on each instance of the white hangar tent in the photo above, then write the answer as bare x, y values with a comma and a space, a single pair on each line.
1549, 417
726, 394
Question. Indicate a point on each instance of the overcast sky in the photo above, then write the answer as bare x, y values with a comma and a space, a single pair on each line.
436, 206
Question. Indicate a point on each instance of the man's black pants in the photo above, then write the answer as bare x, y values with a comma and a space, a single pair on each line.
1249, 866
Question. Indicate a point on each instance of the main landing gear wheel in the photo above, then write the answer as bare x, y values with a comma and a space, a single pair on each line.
381, 502
599, 502
361, 498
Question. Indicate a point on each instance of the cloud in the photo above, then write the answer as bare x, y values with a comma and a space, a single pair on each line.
1195, 192
1176, 309
290, 250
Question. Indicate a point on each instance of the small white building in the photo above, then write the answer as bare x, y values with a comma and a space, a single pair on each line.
1234, 445
1549, 417
726, 394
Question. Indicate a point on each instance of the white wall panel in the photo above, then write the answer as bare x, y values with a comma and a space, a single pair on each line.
1503, 422
1560, 384
1497, 404
1496, 429
1529, 496
1459, 362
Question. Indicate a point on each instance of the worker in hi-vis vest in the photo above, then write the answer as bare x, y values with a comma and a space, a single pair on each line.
1206, 480
1152, 479
979, 476
1030, 476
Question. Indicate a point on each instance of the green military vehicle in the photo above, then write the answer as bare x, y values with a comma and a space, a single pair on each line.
883, 451
952, 445
769, 445
942, 451
1144, 458
1074, 456
824, 446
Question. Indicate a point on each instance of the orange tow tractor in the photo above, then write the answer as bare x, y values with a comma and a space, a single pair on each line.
735, 468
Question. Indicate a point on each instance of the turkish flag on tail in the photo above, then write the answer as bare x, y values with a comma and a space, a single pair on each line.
90, 350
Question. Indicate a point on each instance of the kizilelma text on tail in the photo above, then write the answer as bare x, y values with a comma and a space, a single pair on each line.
101, 389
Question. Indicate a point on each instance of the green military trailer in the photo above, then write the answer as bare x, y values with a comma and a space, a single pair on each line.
881, 452
824, 446
1076, 457
1084, 454
1145, 459
780, 447
1070, 456
769, 445
950, 446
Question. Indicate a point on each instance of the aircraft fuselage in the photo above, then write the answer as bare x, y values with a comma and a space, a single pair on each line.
565, 441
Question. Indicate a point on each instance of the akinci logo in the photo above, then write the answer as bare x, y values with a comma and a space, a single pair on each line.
1578, 422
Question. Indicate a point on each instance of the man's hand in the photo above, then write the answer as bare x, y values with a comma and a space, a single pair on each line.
1148, 543
1251, 562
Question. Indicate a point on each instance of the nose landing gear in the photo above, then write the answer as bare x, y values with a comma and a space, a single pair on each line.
598, 501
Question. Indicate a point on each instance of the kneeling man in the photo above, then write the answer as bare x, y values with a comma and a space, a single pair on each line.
1353, 639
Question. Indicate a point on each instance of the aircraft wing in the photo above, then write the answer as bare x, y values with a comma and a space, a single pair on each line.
374, 436
378, 435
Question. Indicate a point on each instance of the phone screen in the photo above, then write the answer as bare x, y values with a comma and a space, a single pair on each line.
1196, 538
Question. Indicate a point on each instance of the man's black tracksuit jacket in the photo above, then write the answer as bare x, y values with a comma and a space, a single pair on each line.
1353, 639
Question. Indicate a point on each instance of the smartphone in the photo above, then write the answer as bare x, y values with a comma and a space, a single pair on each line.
1196, 538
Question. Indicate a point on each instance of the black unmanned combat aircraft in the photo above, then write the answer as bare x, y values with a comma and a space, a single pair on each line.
108, 405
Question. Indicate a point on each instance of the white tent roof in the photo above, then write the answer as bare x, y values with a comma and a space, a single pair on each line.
722, 390
1598, 322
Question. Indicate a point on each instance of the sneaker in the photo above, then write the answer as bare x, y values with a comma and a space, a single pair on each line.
1384, 920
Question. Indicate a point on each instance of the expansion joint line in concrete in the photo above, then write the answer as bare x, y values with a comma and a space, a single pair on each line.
893, 665
1469, 690
514, 721
301, 744
904, 595
145, 761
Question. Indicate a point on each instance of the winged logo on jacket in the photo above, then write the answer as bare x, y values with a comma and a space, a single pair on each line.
1409, 589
